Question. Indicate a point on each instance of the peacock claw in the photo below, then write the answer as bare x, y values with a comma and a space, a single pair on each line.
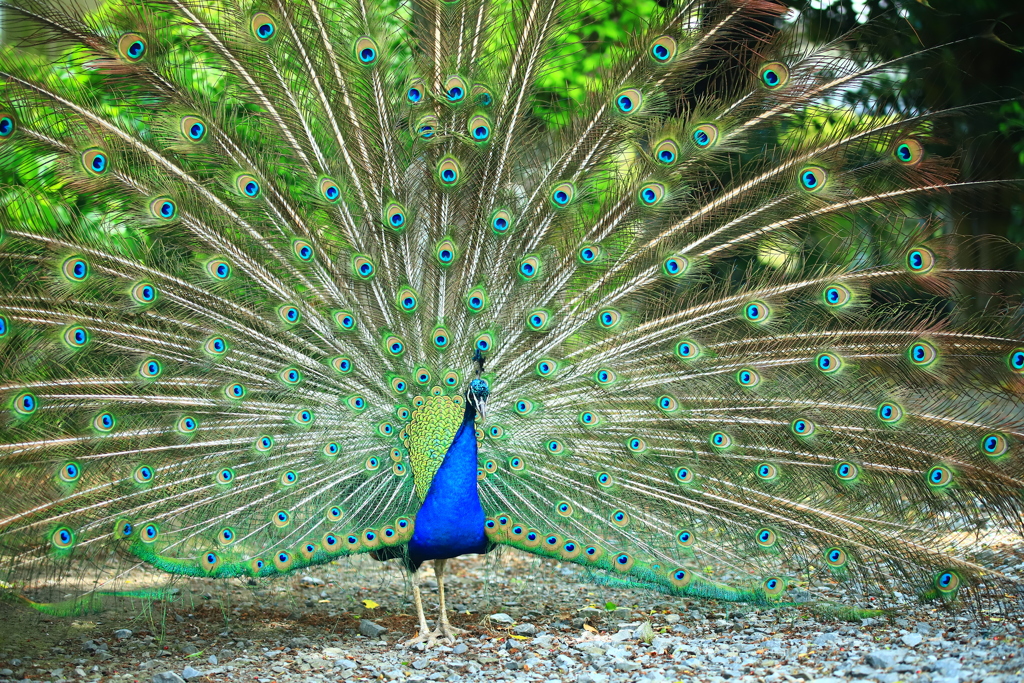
429, 638
451, 632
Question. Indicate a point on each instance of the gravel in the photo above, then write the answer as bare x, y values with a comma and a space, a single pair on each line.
528, 620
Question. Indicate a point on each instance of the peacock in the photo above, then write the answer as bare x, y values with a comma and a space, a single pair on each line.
285, 281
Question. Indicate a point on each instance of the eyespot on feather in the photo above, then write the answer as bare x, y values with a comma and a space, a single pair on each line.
562, 194
407, 300
479, 128
539, 320
263, 26
104, 422
501, 221
329, 190
836, 296
76, 336
889, 412
75, 269
812, 178
365, 51
687, 350
828, 363
163, 208
394, 346
247, 185
219, 269
994, 445
720, 440
235, 391
773, 586
909, 152
193, 128
629, 101
675, 266
95, 161
847, 471
802, 427
835, 557
455, 89
415, 91
663, 49
666, 152
529, 267
145, 293
216, 346
150, 368
8, 126
449, 173
686, 538
395, 216
446, 252
765, 537
345, 320
481, 94
939, 477
773, 75
651, 194
1015, 360
922, 354
132, 47
947, 582
289, 314
920, 260
705, 135
748, 377
546, 367
756, 312
426, 126
362, 267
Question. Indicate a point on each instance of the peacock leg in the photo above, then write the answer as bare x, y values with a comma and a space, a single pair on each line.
449, 631
425, 634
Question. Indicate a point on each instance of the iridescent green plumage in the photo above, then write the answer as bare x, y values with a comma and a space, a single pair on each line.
255, 254
431, 431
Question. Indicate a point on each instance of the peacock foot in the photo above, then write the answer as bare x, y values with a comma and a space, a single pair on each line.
450, 631
430, 638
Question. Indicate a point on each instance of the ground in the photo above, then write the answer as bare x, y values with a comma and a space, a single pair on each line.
528, 620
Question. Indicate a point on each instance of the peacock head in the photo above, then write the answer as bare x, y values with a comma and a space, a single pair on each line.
476, 396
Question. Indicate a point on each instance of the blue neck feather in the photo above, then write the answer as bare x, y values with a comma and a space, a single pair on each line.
451, 520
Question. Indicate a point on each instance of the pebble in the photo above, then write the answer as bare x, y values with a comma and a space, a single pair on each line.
371, 629
502, 618
525, 630
123, 634
167, 677
912, 639
189, 673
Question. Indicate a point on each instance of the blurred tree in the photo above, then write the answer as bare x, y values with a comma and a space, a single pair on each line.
961, 55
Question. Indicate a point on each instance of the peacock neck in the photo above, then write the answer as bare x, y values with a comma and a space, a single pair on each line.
450, 522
